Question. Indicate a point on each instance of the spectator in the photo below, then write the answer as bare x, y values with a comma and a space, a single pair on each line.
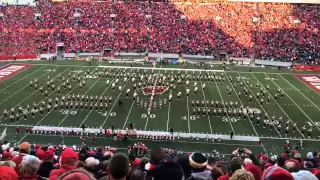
304, 175
24, 149
242, 174
118, 167
216, 173
47, 165
6, 156
8, 173
198, 163
29, 168
91, 165
99, 154
255, 170
68, 161
183, 161
167, 169
292, 165
234, 164
276, 173
157, 154
8, 163
77, 174
137, 174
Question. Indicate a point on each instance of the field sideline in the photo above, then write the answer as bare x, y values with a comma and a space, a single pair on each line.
300, 105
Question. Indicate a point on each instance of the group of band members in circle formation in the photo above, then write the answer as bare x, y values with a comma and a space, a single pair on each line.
143, 79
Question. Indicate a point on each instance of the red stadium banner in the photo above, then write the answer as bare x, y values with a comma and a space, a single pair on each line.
306, 68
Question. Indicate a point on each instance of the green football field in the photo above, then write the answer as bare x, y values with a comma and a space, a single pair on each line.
300, 104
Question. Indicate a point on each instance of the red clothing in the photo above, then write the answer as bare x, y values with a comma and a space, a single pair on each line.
224, 177
29, 177
18, 160
27, 130
17, 129
54, 174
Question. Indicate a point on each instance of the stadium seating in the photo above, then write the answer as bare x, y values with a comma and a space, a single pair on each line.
279, 31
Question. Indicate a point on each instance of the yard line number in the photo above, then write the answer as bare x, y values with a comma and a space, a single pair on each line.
65, 112
145, 116
316, 123
106, 113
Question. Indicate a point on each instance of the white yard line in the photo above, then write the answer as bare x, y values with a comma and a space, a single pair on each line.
277, 103
205, 101
215, 81
58, 102
168, 120
254, 129
75, 106
104, 122
23, 88
259, 104
294, 103
21, 78
125, 122
84, 120
301, 92
188, 114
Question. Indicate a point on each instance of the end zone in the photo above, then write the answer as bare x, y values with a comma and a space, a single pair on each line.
312, 81
11, 70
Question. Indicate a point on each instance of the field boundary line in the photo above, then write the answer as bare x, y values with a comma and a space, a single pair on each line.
88, 114
295, 103
168, 120
114, 103
240, 101
259, 104
75, 106
301, 92
215, 81
23, 88
58, 102
277, 103
21, 78
206, 105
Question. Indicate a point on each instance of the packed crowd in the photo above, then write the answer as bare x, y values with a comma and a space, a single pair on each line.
279, 31
36, 162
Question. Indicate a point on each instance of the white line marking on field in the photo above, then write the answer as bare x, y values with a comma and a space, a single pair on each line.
22, 88
169, 107
301, 92
204, 98
75, 106
296, 104
188, 113
276, 103
260, 105
58, 102
215, 81
84, 120
125, 122
114, 103
254, 129
22, 78
33, 94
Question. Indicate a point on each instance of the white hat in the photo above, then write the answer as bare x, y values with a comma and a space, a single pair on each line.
92, 161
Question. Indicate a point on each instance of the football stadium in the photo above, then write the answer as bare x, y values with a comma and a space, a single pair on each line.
159, 89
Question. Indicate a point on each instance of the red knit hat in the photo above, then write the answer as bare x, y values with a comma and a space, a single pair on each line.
8, 173
68, 153
6, 155
255, 170
264, 158
48, 155
40, 153
285, 155
294, 161
38, 146
276, 173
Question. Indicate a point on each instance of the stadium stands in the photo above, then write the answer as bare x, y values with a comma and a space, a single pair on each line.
266, 30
